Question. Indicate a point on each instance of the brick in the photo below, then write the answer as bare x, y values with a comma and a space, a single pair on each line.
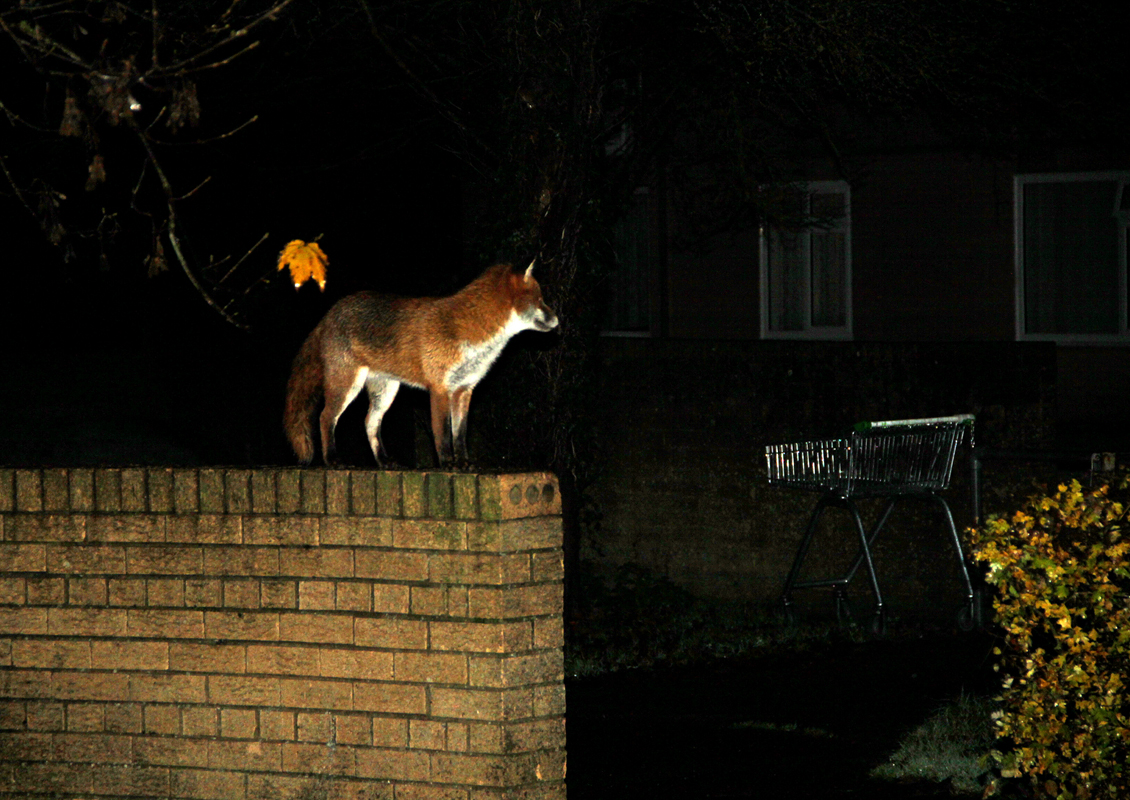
490, 497
86, 559
127, 655
390, 732
242, 594
337, 492
458, 737
241, 690
165, 560
414, 497
517, 670
204, 529
13, 591
249, 561
162, 719
46, 591
254, 756
45, 716
278, 594
475, 568
310, 693
539, 734
186, 499
27, 621
318, 628
429, 600
480, 637
164, 592
355, 729
549, 632
276, 725
238, 723
88, 686
315, 726
165, 623
263, 496
355, 664
158, 688
197, 784
438, 490
169, 751
237, 491
389, 494
529, 495
86, 622
394, 765
430, 534
357, 531
516, 601
5, 652
481, 704
457, 605
7, 490
353, 596
390, 565
390, 698
465, 496
50, 654
390, 632
200, 721
45, 528
282, 529
127, 591
86, 717
203, 592
426, 734
548, 566
50, 777
363, 492
288, 483
282, 660
390, 598
317, 595
549, 700
29, 490
135, 495
246, 625
211, 491
123, 717
107, 490
56, 496
486, 737
313, 489
159, 483
319, 562
116, 780
477, 769
23, 558
132, 528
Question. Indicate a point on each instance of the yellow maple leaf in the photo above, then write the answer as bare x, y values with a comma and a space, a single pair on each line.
306, 261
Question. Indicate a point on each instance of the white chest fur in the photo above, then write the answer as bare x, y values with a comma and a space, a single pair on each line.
476, 359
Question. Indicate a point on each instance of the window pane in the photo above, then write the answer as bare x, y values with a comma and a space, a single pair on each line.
1071, 258
786, 280
829, 249
629, 307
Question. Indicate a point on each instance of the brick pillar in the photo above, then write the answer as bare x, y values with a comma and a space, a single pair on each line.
281, 634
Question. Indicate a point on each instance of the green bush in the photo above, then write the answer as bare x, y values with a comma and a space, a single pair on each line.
1061, 569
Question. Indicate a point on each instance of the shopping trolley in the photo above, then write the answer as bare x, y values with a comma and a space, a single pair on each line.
896, 459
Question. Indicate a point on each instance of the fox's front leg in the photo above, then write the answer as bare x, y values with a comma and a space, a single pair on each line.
460, 402
441, 431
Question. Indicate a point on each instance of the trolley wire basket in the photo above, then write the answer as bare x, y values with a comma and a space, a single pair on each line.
894, 459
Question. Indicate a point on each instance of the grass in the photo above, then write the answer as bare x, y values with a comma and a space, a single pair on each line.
949, 746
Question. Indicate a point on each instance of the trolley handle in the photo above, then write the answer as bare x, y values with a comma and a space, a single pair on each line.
960, 419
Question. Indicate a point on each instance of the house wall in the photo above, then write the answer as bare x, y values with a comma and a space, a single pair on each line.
245, 634
684, 425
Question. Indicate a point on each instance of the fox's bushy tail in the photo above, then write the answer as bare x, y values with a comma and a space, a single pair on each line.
303, 391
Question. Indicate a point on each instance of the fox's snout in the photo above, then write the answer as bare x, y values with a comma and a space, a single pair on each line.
543, 318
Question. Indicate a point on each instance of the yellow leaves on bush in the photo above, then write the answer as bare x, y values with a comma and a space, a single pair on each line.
1060, 565
306, 261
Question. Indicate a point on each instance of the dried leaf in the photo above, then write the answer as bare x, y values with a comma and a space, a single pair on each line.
184, 108
306, 262
72, 117
97, 170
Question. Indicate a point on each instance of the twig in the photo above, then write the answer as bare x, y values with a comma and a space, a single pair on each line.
244, 257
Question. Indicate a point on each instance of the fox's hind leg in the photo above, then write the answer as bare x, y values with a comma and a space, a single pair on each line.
382, 390
342, 384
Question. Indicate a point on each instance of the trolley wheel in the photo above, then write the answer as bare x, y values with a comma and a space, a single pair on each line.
879, 623
843, 610
786, 614
967, 617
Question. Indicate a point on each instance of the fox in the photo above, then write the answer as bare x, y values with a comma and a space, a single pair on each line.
377, 342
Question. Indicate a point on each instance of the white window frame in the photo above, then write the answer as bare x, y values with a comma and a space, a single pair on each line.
809, 331
1018, 184
649, 268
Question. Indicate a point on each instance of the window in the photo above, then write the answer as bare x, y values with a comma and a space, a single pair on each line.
806, 265
629, 306
1071, 256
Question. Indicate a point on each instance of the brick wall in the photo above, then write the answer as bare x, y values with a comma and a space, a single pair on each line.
245, 634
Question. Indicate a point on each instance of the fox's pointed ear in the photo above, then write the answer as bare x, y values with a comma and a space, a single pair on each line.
530, 271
